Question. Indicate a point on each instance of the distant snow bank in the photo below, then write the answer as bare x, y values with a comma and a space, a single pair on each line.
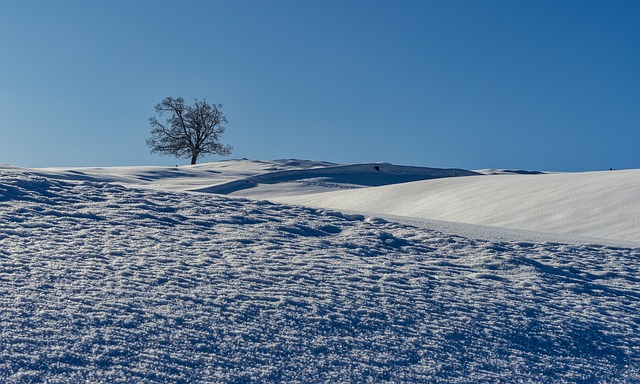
335, 177
603, 205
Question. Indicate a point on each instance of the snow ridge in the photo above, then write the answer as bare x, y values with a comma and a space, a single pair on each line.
102, 283
350, 176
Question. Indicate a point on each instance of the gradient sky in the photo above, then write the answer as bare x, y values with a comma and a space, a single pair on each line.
550, 85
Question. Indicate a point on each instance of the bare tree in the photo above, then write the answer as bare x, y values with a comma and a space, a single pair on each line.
189, 130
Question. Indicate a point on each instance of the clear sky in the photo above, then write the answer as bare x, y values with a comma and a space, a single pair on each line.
551, 85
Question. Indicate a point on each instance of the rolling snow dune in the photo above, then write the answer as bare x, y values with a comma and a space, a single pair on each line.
576, 207
316, 179
183, 178
106, 284
604, 205
237, 176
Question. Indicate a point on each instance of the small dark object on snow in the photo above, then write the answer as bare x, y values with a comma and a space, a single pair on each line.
377, 168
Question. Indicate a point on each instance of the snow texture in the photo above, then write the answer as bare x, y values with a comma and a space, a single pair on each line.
104, 283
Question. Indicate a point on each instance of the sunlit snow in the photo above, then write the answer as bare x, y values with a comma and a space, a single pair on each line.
122, 275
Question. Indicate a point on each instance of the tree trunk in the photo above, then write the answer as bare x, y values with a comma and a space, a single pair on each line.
194, 158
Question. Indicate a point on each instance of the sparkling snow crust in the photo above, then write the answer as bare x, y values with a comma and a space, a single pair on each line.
102, 283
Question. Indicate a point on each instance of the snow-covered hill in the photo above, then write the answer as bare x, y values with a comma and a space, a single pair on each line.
100, 282
596, 205
257, 178
602, 206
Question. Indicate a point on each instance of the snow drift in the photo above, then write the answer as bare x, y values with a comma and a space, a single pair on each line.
597, 205
588, 206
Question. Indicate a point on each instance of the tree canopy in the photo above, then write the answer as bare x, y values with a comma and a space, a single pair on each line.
189, 130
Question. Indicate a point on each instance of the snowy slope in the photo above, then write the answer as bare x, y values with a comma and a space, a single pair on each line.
183, 178
256, 177
598, 206
591, 206
102, 283
601, 205
328, 178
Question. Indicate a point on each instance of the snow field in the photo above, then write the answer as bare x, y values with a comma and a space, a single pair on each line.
603, 206
597, 205
102, 283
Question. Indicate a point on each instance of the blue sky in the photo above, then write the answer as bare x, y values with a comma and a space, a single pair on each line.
551, 85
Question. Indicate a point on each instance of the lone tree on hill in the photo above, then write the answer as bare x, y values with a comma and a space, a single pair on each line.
189, 131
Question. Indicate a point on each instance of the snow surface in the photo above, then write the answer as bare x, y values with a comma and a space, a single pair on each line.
600, 205
116, 275
493, 204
